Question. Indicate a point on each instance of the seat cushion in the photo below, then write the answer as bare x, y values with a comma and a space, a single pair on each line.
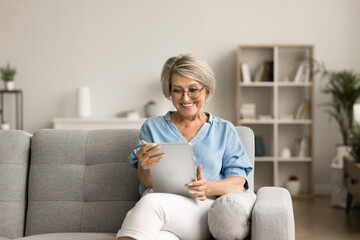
229, 215
71, 236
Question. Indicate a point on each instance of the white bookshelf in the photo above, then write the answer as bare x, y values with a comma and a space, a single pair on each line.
277, 98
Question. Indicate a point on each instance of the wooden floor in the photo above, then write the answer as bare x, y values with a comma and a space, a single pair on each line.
316, 219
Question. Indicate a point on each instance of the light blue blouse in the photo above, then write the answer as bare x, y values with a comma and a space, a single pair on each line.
216, 146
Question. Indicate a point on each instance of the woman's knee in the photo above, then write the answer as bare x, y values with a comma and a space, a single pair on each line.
151, 203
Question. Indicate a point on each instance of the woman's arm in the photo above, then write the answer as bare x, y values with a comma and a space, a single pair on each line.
144, 177
227, 185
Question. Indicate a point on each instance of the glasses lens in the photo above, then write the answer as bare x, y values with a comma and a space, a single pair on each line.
192, 93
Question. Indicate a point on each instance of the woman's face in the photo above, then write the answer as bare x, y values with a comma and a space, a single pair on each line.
189, 103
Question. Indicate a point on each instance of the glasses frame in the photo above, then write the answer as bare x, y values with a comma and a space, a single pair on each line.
188, 93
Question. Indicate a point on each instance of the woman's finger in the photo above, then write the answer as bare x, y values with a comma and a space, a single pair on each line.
203, 198
144, 148
153, 150
197, 189
197, 193
147, 163
197, 183
199, 173
154, 160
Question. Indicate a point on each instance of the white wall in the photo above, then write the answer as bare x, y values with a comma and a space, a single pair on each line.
117, 48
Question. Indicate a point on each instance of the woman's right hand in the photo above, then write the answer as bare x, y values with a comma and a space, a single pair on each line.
145, 155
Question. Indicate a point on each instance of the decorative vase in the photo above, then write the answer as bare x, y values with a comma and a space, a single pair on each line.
286, 153
5, 126
84, 103
341, 152
293, 186
9, 85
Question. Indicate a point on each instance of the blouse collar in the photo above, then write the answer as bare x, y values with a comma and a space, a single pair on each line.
211, 117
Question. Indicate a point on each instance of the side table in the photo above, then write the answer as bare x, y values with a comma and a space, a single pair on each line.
19, 102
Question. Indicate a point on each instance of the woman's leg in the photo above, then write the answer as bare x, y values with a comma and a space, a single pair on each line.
182, 216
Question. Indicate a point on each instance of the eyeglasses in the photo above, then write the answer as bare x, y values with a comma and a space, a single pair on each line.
193, 93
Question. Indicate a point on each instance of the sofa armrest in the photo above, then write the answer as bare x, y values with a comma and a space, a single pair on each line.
272, 215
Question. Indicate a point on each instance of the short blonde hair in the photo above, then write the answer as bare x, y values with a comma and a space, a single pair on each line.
189, 66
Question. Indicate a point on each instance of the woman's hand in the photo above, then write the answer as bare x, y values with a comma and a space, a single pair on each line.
200, 187
145, 162
144, 155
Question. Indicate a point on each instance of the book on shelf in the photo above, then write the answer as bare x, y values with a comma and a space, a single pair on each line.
307, 72
245, 73
301, 147
265, 117
269, 72
303, 72
286, 116
248, 111
260, 73
303, 110
265, 72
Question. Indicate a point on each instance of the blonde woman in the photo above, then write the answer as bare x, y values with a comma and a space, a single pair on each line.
221, 161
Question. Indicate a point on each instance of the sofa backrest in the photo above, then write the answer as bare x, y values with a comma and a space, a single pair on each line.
14, 158
80, 180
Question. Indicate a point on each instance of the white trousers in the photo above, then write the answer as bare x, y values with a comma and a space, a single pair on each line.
167, 216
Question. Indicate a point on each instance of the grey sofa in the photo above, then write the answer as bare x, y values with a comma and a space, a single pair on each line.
77, 184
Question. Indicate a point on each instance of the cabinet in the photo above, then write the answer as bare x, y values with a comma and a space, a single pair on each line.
351, 180
281, 111
97, 123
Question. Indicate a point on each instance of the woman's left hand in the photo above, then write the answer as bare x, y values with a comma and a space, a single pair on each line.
199, 187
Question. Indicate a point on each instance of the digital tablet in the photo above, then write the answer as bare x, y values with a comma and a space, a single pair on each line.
175, 170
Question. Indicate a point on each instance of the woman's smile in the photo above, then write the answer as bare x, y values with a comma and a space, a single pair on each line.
185, 104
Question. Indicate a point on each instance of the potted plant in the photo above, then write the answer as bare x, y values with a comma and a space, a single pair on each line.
343, 87
293, 185
151, 109
7, 75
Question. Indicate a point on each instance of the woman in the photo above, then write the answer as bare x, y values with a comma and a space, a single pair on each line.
222, 164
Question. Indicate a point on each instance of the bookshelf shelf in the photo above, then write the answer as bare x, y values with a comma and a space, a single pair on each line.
256, 121
284, 92
295, 121
293, 84
258, 84
264, 159
294, 159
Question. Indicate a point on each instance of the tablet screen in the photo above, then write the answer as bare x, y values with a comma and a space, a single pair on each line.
175, 170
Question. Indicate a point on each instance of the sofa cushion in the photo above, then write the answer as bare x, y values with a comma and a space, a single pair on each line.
229, 215
80, 180
14, 158
71, 236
